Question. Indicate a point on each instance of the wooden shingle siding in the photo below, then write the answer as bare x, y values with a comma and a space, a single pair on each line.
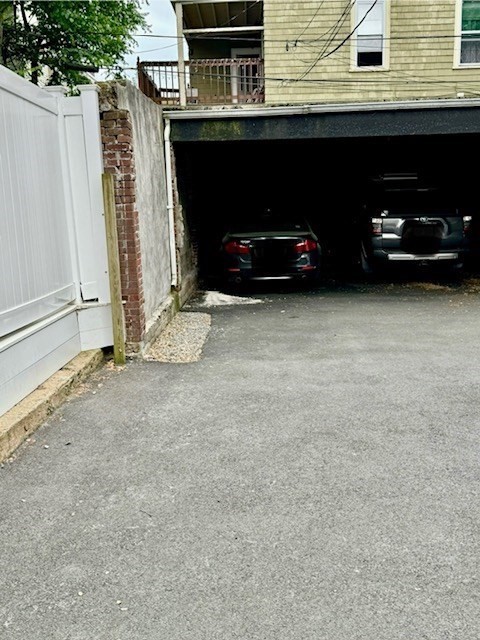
421, 56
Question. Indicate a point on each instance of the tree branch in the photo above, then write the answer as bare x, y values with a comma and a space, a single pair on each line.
26, 24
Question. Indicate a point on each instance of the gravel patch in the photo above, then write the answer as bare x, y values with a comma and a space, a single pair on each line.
426, 286
472, 285
183, 339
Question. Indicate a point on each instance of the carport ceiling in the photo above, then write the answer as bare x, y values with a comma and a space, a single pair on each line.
208, 15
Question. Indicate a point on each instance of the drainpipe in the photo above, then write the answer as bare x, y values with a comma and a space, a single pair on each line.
170, 206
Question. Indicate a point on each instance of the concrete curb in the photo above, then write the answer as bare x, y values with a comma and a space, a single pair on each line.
26, 416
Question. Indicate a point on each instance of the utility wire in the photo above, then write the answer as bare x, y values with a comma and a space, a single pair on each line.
347, 85
168, 46
317, 81
308, 25
280, 41
392, 73
321, 38
331, 30
338, 25
327, 55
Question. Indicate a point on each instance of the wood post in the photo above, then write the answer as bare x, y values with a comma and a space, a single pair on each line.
114, 269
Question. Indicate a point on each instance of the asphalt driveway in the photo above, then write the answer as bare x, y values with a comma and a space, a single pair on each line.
315, 476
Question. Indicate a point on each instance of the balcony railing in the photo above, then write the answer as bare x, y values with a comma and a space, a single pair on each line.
207, 82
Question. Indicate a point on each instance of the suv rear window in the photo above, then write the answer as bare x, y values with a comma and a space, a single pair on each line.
395, 202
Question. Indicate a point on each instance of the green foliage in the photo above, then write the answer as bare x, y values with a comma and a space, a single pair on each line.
60, 34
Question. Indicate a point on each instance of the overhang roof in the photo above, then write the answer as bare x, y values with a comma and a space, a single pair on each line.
308, 122
205, 14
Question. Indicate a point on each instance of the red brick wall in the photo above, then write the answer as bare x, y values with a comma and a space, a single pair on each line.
119, 160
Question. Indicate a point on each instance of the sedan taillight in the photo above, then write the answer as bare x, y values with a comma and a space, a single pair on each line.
304, 246
377, 226
237, 248
467, 224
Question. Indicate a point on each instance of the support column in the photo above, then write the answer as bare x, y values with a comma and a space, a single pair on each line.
182, 80
119, 159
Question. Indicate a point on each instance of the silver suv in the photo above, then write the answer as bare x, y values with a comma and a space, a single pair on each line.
413, 225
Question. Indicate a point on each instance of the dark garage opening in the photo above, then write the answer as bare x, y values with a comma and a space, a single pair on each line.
324, 180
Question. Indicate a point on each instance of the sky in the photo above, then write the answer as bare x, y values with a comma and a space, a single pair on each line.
161, 18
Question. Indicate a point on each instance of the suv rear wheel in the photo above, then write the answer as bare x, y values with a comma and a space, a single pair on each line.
365, 263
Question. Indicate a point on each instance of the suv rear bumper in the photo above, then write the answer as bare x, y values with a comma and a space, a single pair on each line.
414, 257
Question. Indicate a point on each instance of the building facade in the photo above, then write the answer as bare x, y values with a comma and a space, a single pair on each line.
364, 51
316, 51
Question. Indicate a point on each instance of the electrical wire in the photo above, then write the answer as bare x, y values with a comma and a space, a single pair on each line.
347, 38
391, 72
166, 36
308, 25
317, 81
336, 28
351, 85
338, 25
280, 41
168, 46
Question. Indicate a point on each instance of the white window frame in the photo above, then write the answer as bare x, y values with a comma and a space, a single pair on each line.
457, 64
385, 66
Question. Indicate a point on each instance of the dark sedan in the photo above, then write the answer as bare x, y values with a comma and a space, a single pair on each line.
271, 247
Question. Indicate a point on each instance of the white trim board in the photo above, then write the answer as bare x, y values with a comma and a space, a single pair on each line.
95, 326
29, 361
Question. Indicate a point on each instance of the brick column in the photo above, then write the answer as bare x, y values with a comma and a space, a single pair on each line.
119, 160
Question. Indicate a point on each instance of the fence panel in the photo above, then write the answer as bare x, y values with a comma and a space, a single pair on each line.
35, 256
54, 293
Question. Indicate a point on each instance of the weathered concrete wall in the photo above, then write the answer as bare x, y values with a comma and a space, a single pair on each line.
421, 46
187, 267
132, 136
151, 195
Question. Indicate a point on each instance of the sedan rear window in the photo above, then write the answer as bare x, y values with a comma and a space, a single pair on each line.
268, 222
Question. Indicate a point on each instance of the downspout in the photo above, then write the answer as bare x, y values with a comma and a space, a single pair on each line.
170, 205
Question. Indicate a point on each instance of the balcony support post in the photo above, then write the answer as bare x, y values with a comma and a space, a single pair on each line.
182, 79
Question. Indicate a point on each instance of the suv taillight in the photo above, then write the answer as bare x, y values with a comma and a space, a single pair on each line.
304, 246
236, 247
377, 226
467, 224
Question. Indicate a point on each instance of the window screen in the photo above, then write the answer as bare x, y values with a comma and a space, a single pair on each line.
370, 32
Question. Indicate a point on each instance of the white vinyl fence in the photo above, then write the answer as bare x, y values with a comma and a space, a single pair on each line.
54, 292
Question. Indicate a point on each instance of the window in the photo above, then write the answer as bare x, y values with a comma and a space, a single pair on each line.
370, 33
470, 48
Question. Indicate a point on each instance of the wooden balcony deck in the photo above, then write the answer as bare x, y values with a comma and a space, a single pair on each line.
208, 81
